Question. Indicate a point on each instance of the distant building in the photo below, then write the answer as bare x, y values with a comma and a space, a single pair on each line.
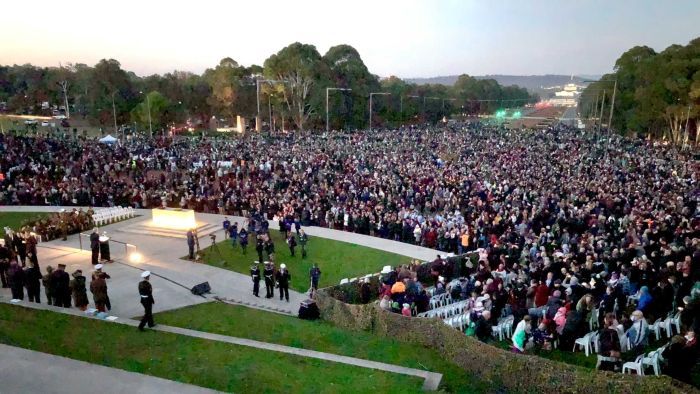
567, 97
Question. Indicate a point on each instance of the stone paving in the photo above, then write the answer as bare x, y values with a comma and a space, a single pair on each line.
60, 375
173, 277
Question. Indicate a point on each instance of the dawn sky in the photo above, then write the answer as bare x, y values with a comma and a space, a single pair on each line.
405, 38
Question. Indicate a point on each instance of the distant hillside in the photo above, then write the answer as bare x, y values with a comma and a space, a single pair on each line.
533, 83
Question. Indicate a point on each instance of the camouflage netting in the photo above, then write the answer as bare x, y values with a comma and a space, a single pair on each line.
502, 370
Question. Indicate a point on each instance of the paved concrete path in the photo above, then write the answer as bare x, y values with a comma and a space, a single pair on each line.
431, 379
25, 371
173, 277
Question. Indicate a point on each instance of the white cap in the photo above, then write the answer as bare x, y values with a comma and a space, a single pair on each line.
145, 274
99, 266
283, 266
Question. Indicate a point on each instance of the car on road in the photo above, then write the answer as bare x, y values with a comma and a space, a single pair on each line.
30, 121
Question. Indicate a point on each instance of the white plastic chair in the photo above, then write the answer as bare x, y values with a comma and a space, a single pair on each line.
508, 326
584, 342
595, 343
656, 328
593, 321
635, 365
624, 341
497, 331
652, 360
668, 326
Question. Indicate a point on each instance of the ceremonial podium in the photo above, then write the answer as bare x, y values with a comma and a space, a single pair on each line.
104, 248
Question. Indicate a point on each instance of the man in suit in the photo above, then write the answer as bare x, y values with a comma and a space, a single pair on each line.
61, 282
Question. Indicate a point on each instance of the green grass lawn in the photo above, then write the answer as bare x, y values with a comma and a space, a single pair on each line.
337, 260
216, 365
14, 219
249, 323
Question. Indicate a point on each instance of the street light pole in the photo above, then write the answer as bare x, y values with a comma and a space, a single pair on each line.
370, 105
150, 123
612, 107
257, 95
114, 113
328, 90
427, 98
148, 103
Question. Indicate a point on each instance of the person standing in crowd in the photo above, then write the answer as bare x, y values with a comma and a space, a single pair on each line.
5, 256
269, 273
146, 293
270, 249
99, 272
243, 239
9, 244
63, 226
315, 274
303, 239
31, 243
190, 243
233, 234
49, 288
283, 277
255, 276
98, 288
32, 280
259, 246
16, 281
291, 242
79, 290
61, 283
95, 245
21, 248
226, 225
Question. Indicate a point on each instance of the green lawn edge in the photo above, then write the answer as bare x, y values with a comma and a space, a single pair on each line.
205, 363
239, 321
336, 259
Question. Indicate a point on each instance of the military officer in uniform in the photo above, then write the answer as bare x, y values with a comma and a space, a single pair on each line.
255, 276
146, 293
95, 245
283, 278
269, 273
64, 224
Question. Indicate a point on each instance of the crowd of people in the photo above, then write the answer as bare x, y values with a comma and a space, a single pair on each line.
564, 222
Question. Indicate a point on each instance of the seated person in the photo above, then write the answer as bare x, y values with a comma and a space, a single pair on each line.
483, 329
638, 333
541, 337
609, 351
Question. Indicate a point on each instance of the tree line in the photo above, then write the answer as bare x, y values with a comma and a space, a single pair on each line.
290, 86
655, 94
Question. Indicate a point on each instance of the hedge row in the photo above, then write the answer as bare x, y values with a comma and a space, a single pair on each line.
500, 369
